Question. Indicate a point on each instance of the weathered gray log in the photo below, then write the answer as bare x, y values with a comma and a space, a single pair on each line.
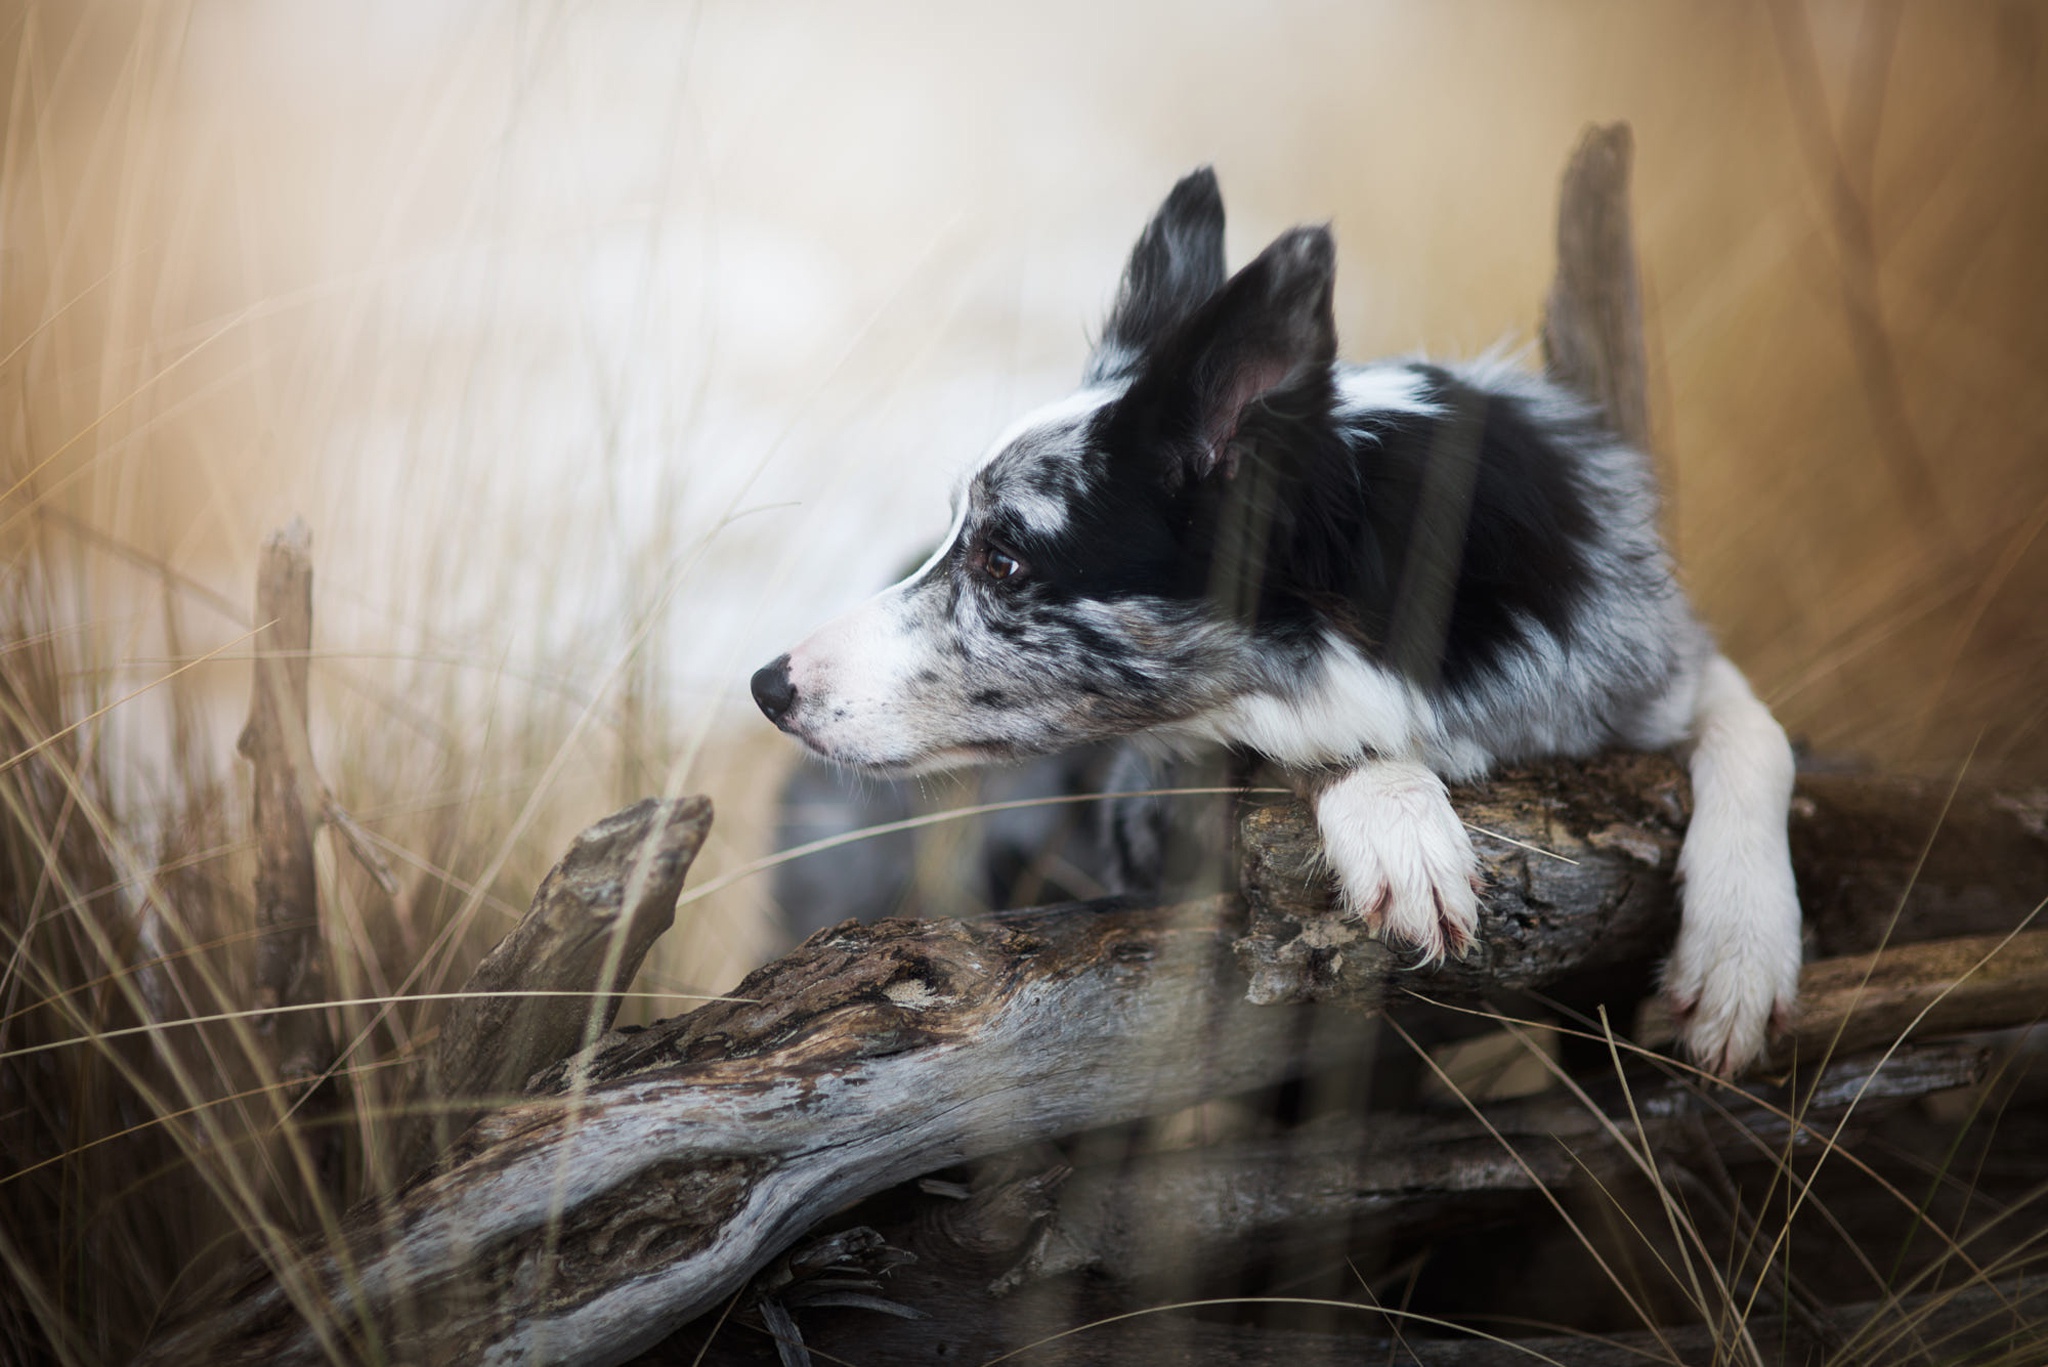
1158, 1227
592, 921
671, 1163
667, 1165
289, 964
1171, 1215
1576, 858
1593, 320
1879, 858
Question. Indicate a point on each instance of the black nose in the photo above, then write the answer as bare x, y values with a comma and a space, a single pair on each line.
773, 690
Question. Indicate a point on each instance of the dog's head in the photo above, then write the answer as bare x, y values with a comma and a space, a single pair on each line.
1094, 581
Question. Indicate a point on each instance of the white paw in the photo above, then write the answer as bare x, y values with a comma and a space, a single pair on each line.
1733, 977
1403, 862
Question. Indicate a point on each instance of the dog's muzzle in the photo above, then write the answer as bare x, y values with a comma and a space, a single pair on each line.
774, 693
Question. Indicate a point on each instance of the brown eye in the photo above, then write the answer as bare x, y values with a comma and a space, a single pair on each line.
1001, 565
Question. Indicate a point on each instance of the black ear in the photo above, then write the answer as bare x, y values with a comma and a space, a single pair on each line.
1177, 264
1270, 329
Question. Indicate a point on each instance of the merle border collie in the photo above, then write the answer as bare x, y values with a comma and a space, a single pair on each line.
1379, 577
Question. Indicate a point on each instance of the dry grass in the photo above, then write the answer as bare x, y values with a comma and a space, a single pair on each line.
606, 349
1896, 1225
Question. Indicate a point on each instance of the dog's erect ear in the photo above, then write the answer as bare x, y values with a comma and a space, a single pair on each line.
1271, 328
1176, 266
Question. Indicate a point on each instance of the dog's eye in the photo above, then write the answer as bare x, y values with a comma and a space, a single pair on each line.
1000, 565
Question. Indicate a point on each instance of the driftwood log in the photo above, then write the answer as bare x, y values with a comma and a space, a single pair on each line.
1950, 878
651, 1177
987, 1264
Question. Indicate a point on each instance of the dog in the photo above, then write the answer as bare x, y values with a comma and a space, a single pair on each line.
1379, 577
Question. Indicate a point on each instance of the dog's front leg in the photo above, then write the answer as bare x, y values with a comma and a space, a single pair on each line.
1403, 862
1733, 977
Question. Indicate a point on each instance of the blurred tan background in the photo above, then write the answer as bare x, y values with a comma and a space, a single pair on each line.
606, 347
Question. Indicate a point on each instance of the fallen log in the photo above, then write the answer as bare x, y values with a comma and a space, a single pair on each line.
670, 1163
1576, 859
991, 1269
1172, 1214
1895, 859
656, 1173
1871, 1001
1977, 982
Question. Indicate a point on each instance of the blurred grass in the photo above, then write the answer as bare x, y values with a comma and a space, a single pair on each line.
608, 348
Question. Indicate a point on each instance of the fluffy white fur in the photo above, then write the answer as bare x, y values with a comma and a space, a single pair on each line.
1401, 856
1734, 973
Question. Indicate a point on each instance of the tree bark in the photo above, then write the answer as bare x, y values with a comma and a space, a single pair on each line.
1866, 1001
1893, 859
997, 1267
592, 921
666, 1166
1576, 859
653, 1175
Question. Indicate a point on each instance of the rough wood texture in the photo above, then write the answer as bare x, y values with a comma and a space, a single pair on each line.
667, 1165
1870, 1001
1978, 982
1879, 859
289, 968
1171, 1215
1001, 1265
594, 918
1593, 320
1577, 876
